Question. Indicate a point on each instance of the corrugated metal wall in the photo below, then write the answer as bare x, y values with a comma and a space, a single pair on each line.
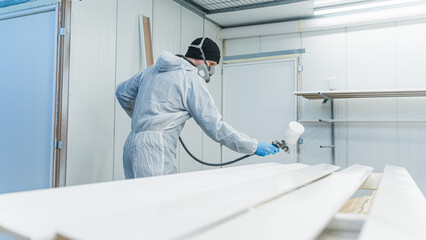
384, 56
105, 51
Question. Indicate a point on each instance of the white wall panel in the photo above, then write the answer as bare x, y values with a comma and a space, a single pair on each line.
129, 62
411, 52
192, 28
166, 32
242, 46
372, 65
322, 60
212, 149
388, 55
91, 92
280, 42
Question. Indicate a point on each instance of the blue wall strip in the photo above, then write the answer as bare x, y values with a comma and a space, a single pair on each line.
5, 3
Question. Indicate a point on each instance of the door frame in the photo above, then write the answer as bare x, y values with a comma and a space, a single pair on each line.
62, 94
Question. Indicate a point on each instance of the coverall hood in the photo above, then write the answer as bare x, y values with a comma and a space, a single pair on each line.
170, 62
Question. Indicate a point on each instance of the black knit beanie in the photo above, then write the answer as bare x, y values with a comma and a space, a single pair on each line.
210, 49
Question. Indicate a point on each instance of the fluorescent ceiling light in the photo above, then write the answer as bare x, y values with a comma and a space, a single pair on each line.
363, 18
325, 3
361, 6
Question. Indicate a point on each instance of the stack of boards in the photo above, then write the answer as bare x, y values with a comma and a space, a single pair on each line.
260, 201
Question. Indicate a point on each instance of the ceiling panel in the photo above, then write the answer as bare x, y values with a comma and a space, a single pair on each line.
276, 13
216, 6
233, 13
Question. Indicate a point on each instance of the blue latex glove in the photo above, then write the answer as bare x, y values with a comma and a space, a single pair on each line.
264, 149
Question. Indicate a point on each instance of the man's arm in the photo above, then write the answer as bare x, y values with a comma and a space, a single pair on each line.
126, 93
201, 106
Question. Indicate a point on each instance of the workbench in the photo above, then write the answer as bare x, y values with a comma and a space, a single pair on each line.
260, 201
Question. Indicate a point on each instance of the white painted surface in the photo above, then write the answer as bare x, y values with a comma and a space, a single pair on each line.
258, 101
91, 92
294, 215
182, 216
398, 210
39, 214
343, 226
384, 56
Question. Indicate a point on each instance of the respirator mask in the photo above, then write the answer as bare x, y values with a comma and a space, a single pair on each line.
204, 71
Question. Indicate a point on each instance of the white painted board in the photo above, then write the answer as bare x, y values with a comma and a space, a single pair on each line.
398, 210
182, 216
37, 214
301, 214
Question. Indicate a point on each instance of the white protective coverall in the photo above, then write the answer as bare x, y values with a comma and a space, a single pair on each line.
159, 100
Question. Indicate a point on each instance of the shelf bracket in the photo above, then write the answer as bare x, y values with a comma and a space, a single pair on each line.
326, 98
324, 121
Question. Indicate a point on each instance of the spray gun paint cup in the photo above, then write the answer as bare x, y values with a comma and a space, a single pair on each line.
293, 132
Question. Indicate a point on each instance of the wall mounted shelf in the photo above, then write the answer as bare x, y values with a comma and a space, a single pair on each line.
350, 94
379, 93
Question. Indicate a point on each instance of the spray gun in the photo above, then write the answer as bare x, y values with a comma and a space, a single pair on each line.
291, 136
282, 145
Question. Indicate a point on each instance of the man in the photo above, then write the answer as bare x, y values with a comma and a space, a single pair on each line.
162, 97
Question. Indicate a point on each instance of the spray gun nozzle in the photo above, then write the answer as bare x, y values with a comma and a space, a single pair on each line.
281, 145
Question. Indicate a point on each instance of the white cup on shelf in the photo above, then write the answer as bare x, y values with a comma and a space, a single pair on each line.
332, 83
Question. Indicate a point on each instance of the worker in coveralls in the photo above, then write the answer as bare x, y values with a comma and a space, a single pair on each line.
162, 97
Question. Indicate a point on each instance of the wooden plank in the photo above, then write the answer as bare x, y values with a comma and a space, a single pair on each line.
148, 41
360, 205
37, 214
399, 208
177, 218
372, 182
301, 214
